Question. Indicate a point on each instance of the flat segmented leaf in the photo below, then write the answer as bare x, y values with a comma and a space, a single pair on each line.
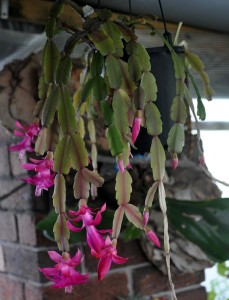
63, 72
86, 89
42, 87
61, 233
126, 154
81, 186
62, 161
150, 194
161, 193
66, 112
153, 119
94, 156
52, 137
117, 221
113, 31
114, 138
93, 177
79, 153
81, 127
208, 92
113, 72
176, 138
40, 145
123, 187
50, 107
56, 9
50, 28
134, 67
139, 98
91, 130
143, 57
148, 83
133, 215
157, 159
120, 109
127, 84
99, 88
51, 59
59, 194
201, 109
102, 42
97, 64
194, 61
107, 111
178, 110
178, 66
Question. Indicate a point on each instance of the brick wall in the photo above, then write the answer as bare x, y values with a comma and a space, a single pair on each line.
23, 248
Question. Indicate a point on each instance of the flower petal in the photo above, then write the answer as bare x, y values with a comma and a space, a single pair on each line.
55, 256
103, 267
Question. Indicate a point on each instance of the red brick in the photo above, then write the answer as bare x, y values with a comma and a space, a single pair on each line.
111, 287
26, 229
8, 230
199, 294
148, 280
10, 289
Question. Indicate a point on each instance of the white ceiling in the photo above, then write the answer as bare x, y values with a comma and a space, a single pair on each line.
210, 14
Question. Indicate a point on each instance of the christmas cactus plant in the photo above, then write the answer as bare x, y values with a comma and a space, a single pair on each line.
118, 87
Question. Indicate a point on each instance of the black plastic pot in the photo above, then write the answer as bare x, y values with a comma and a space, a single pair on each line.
163, 70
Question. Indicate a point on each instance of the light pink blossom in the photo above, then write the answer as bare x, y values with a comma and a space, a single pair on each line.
107, 255
44, 179
136, 128
85, 215
26, 144
63, 274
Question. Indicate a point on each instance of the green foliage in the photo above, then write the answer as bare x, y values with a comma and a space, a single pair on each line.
205, 223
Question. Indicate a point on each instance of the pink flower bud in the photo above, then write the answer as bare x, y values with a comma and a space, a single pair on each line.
120, 165
146, 216
152, 236
174, 161
136, 128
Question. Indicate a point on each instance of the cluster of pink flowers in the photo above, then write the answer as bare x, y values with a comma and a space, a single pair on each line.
101, 248
44, 177
63, 274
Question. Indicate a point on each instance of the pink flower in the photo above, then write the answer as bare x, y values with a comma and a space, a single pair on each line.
108, 255
94, 238
149, 232
136, 128
63, 274
28, 132
152, 236
44, 178
175, 161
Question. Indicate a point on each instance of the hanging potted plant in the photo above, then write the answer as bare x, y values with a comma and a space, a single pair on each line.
122, 92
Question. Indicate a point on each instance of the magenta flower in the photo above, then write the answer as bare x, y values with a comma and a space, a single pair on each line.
85, 214
136, 128
152, 236
174, 161
44, 178
64, 274
26, 144
107, 255
149, 232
